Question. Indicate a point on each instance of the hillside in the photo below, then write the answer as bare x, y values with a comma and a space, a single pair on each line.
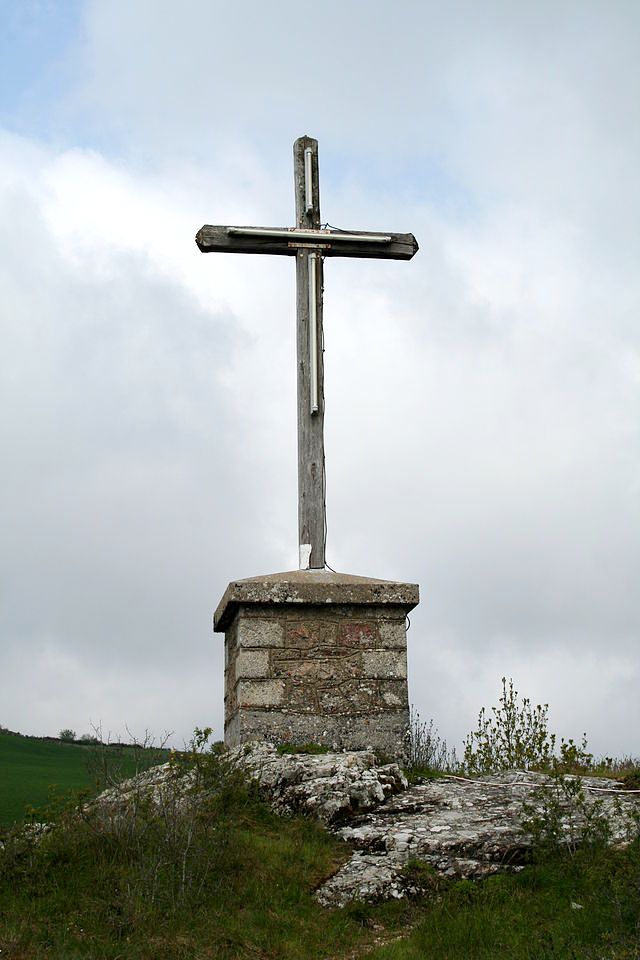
31, 768
268, 853
193, 863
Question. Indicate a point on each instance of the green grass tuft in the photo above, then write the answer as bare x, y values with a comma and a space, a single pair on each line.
312, 748
585, 908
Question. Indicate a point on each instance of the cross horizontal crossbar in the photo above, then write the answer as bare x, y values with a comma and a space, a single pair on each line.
287, 242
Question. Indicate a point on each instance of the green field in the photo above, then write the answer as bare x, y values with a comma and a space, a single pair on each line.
31, 767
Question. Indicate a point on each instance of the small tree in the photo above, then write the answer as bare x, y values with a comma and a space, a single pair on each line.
514, 735
68, 735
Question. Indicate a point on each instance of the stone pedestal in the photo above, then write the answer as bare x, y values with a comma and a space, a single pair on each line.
313, 656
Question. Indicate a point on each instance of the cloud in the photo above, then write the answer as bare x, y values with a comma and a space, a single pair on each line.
481, 428
115, 425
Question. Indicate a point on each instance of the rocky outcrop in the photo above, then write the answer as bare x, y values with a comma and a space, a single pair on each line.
329, 786
464, 828
459, 827
332, 787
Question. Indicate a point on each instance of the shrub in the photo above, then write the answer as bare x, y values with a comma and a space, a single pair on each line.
426, 751
561, 819
109, 762
68, 735
90, 739
516, 736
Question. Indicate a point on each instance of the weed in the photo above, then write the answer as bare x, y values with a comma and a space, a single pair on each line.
631, 779
427, 753
515, 736
109, 762
421, 879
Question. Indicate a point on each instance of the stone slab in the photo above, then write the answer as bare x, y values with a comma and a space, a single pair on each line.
323, 587
466, 828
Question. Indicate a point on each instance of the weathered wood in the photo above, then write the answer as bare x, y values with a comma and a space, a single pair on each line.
311, 474
213, 239
309, 249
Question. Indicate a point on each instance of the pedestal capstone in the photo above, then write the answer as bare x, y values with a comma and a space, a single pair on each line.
313, 656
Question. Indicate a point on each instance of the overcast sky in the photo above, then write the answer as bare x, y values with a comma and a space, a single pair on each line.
482, 400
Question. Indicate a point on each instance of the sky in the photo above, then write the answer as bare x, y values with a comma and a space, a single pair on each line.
482, 401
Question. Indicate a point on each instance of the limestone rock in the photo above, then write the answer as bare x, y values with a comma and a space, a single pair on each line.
153, 784
329, 786
462, 829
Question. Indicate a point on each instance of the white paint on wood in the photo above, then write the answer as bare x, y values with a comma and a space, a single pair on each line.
304, 552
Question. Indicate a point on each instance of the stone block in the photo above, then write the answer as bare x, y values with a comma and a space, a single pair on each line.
289, 663
360, 697
358, 634
392, 633
259, 693
385, 733
384, 663
259, 632
252, 663
314, 635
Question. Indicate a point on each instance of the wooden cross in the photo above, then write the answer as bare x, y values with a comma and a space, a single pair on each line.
309, 243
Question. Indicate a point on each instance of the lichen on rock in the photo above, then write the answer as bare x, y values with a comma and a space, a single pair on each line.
329, 786
458, 827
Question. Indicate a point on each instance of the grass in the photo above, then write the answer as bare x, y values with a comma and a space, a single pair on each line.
579, 909
31, 768
225, 879
237, 884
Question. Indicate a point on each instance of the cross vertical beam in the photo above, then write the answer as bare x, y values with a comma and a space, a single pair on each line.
309, 243
310, 365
